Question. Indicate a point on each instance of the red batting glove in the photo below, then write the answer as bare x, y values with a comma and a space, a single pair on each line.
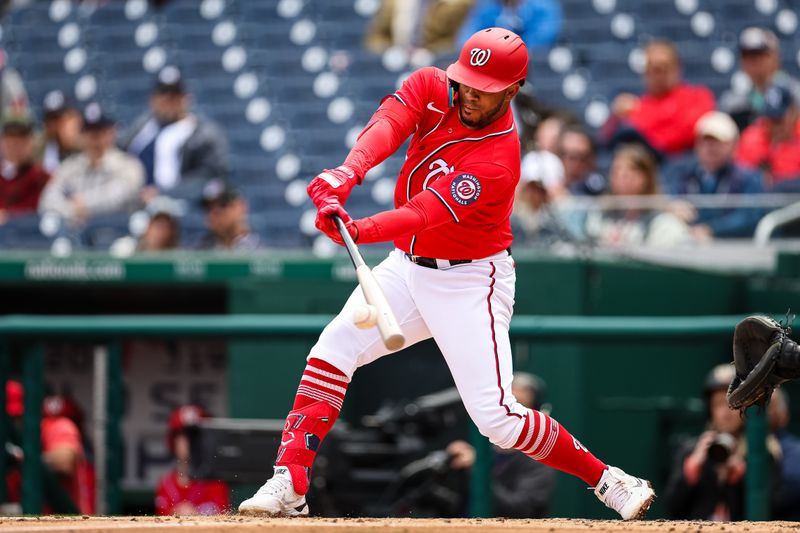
337, 182
352, 229
324, 222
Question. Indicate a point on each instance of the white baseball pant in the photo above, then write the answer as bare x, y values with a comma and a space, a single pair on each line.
466, 308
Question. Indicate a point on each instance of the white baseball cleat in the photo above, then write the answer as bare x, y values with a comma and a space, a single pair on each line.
630, 496
276, 498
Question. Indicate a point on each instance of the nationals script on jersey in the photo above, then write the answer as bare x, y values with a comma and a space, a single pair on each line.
473, 172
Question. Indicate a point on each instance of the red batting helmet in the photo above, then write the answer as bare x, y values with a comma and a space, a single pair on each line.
183, 417
491, 60
58, 405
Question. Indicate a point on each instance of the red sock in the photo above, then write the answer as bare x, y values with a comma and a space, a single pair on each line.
316, 407
548, 442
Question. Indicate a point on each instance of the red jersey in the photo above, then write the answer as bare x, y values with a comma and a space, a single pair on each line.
58, 432
779, 161
473, 173
19, 193
205, 497
667, 121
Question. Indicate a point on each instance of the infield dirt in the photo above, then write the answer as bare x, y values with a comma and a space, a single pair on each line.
238, 524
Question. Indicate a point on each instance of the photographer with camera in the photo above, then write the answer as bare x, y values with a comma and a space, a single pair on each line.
707, 480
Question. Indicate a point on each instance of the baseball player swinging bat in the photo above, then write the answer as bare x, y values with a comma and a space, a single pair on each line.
450, 275
379, 310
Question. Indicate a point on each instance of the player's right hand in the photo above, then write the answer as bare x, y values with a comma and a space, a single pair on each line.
336, 182
324, 222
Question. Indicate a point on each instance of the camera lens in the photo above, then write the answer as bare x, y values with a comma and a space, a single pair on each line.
721, 447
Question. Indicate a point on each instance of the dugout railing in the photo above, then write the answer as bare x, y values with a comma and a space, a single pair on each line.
29, 334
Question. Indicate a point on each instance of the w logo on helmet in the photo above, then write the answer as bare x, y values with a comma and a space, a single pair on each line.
478, 57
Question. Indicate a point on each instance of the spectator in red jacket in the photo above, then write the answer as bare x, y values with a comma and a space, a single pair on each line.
664, 117
177, 493
21, 179
772, 143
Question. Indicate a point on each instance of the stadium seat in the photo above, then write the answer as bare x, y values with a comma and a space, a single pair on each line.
101, 231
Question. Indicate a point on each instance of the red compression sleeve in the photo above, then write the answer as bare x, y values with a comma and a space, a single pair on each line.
424, 211
388, 128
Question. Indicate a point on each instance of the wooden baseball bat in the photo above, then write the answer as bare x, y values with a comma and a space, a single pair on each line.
388, 327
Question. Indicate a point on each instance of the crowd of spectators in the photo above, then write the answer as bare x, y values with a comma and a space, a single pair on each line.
667, 145
79, 167
577, 184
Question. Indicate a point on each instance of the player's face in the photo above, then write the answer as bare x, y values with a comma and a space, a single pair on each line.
169, 108
713, 153
662, 70
16, 149
576, 155
626, 179
477, 109
182, 452
97, 140
723, 418
760, 66
225, 219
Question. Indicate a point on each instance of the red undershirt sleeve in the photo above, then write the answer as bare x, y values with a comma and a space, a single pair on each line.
425, 211
393, 122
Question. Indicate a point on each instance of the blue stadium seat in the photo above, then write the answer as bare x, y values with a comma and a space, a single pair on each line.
573, 9
33, 15
741, 13
108, 14
277, 63
184, 12
649, 9
193, 227
23, 232
258, 11
102, 230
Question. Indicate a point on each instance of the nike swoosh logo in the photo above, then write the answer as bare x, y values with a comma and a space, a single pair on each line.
432, 108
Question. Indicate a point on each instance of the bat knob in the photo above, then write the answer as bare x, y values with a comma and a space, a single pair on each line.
394, 342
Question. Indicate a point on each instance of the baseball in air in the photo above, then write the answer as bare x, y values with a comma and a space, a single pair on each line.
365, 316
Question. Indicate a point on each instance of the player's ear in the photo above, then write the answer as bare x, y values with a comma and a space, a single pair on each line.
512, 91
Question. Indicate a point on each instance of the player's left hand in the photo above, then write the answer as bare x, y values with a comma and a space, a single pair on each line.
328, 208
336, 182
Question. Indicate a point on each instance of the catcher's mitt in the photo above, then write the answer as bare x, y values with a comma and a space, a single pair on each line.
764, 357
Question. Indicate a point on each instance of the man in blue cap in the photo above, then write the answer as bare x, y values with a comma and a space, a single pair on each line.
101, 179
